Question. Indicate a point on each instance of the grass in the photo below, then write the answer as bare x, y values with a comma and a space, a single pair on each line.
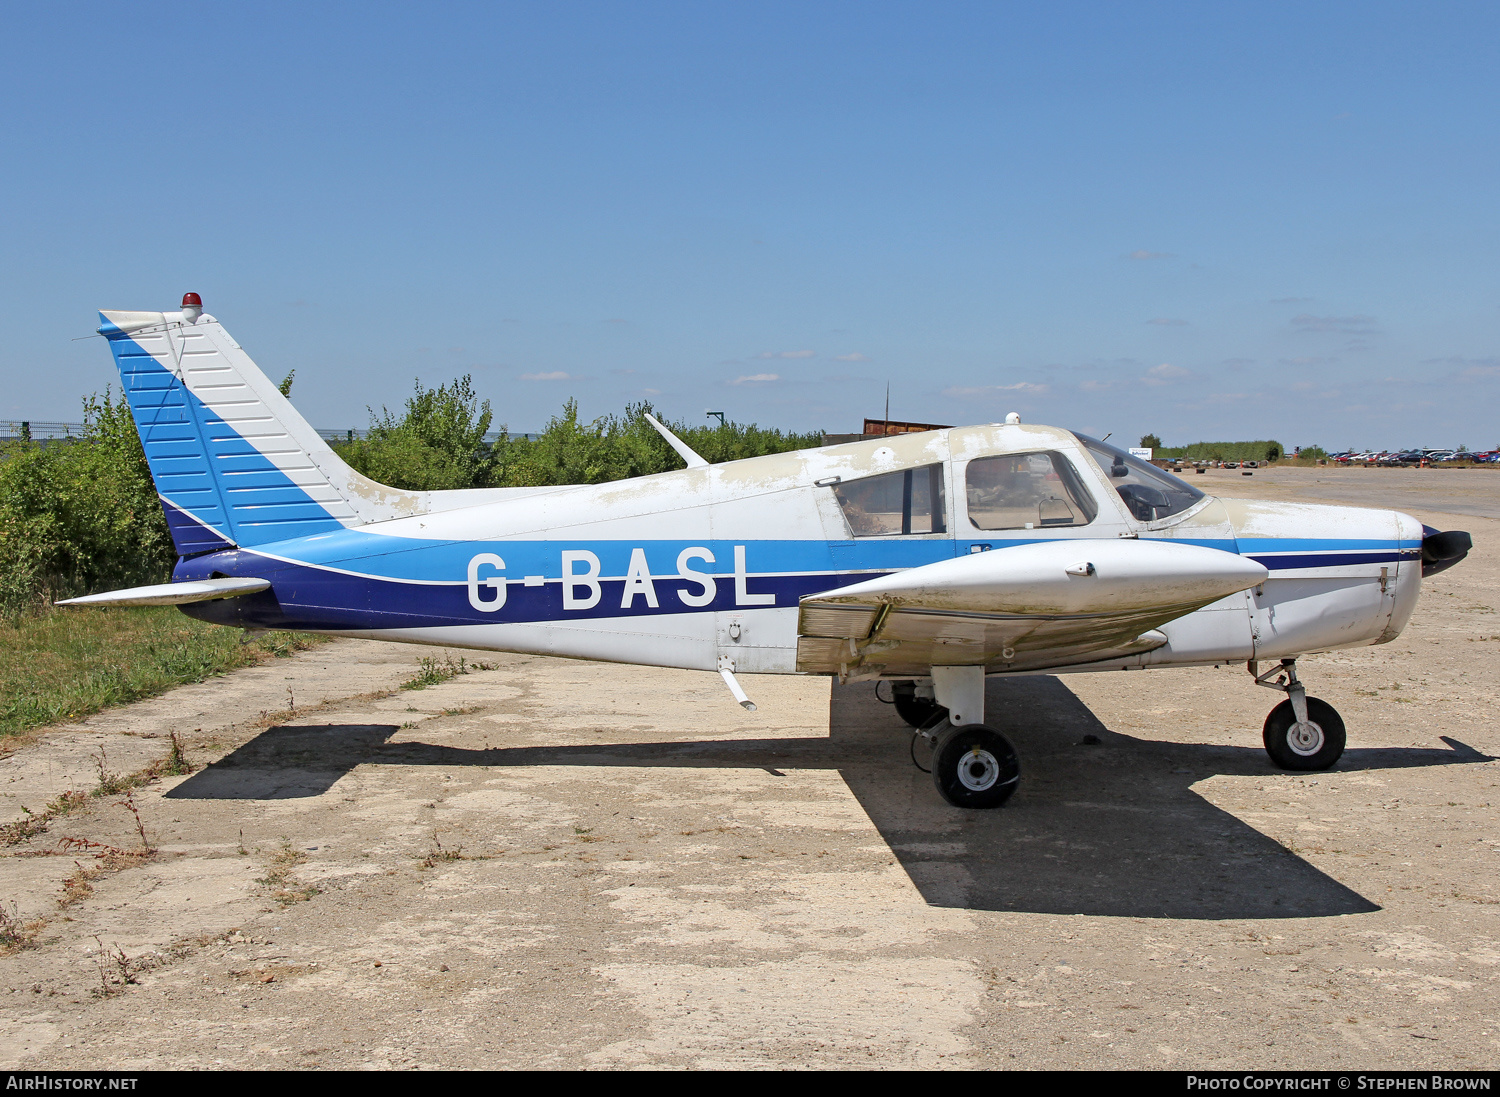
67, 664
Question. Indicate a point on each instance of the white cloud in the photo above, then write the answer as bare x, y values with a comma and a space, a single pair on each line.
1025, 387
1347, 325
555, 375
756, 378
785, 354
855, 357
1460, 360
1165, 373
1142, 253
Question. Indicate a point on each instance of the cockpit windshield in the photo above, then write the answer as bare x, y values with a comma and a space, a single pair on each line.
1149, 493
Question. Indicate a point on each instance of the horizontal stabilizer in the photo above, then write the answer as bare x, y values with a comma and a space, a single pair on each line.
172, 594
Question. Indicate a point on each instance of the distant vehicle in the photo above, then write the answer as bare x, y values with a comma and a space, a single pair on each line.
929, 561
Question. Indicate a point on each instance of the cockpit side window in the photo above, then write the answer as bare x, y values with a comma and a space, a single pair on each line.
1027, 491
1149, 493
910, 501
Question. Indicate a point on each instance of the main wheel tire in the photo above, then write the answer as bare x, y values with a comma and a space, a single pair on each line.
1316, 745
975, 767
916, 711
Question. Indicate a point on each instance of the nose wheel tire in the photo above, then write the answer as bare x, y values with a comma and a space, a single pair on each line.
1317, 744
975, 767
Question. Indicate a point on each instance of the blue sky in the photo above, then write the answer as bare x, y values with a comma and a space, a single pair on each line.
1204, 221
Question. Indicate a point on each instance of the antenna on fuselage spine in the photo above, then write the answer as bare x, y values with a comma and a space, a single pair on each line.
684, 451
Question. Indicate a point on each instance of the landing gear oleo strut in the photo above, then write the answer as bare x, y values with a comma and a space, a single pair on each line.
1302, 732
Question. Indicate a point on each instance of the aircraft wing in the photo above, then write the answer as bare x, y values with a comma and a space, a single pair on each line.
1029, 607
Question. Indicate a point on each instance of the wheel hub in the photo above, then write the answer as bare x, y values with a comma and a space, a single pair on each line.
1305, 738
978, 770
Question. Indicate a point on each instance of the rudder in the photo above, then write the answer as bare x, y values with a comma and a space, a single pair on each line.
232, 460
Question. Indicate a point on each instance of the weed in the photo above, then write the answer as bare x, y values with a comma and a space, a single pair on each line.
78, 886
140, 827
285, 889
116, 970
15, 934
109, 783
176, 763
432, 671
440, 853
36, 822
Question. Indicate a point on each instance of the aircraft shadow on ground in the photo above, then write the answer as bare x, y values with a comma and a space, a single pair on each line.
1111, 828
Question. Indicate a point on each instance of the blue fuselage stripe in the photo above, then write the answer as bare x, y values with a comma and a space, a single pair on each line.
431, 587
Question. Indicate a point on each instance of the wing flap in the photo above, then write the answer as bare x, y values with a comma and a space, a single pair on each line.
1029, 607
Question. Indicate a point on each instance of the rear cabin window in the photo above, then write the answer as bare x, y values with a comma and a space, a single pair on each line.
894, 503
1026, 491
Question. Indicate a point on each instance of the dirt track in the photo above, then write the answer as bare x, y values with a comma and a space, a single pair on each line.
570, 864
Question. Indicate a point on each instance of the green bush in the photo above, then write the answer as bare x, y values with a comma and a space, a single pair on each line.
79, 515
439, 443
1224, 451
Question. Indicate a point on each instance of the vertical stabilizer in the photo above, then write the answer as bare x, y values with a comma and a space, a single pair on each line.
233, 461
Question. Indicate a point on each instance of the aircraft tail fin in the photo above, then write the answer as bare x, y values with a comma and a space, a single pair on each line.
232, 460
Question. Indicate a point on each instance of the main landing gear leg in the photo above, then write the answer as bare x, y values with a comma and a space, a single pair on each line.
1302, 733
973, 766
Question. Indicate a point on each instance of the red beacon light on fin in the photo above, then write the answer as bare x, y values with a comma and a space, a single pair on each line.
192, 307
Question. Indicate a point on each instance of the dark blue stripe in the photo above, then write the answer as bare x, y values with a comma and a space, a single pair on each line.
1327, 560
312, 598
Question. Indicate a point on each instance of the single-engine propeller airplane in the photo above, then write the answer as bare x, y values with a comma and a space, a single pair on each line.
931, 561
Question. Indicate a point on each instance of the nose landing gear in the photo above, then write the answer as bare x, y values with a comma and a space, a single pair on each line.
1302, 733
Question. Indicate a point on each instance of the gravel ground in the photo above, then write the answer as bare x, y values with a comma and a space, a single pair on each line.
562, 864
